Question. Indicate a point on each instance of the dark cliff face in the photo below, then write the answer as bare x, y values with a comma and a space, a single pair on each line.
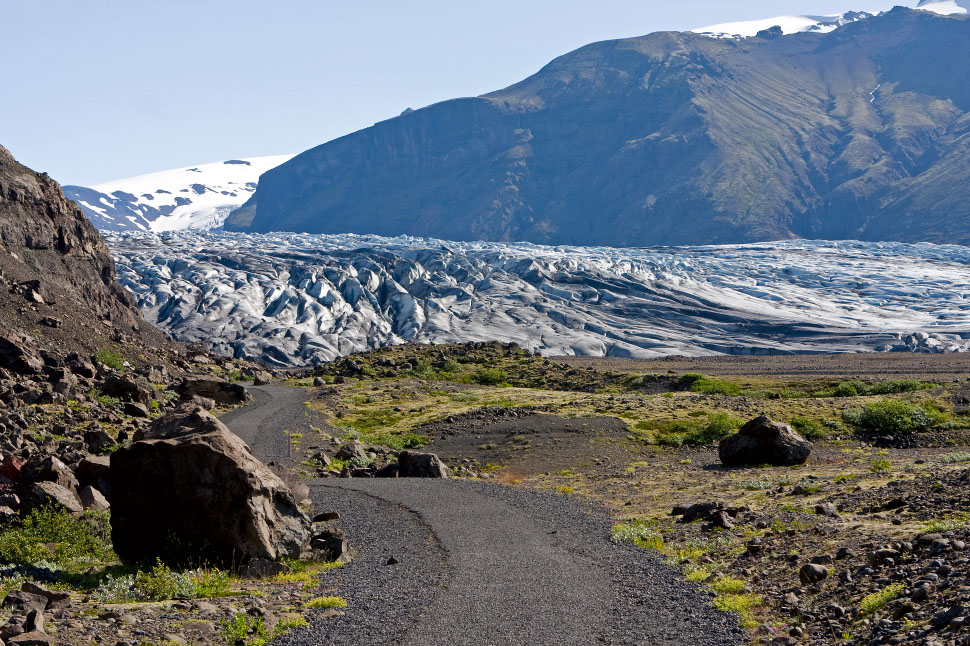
665, 139
57, 278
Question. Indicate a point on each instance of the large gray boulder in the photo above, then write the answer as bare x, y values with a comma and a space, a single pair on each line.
762, 441
188, 480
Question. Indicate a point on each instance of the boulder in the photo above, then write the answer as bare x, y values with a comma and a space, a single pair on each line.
189, 478
50, 469
812, 573
762, 441
18, 356
421, 465
56, 599
94, 470
91, 498
33, 638
127, 390
261, 378
218, 390
45, 494
351, 450
136, 409
98, 441
21, 602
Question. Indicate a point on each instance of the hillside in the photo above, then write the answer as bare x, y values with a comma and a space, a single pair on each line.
671, 138
59, 289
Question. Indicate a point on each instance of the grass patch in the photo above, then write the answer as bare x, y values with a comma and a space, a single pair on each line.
109, 358
955, 458
304, 572
858, 388
705, 385
808, 427
742, 605
947, 524
326, 602
692, 432
876, 601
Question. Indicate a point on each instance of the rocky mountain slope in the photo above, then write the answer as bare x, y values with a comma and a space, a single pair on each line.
669, 138
197, 197
296, 299
58, 291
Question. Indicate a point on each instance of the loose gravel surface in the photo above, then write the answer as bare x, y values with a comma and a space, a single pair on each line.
261, 422
482, 564
486, 564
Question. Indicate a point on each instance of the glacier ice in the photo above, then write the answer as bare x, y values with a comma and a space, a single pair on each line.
292, 299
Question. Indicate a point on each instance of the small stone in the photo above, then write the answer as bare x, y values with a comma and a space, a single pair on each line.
392, 561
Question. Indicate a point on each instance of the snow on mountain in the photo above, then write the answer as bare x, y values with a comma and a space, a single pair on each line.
945, 7
788, 25
196, 197
295, 299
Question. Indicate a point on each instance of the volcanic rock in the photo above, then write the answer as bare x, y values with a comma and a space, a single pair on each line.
189, 477
762, 441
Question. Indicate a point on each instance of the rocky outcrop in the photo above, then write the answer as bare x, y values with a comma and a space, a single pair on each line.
56, 273
762, 441
189, 479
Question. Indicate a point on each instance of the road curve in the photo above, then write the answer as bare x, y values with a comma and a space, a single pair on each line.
485, 564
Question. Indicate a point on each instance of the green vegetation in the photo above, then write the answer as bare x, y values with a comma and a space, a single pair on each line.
891, 416
881, 465
304, 572
109, 358
491, 377
858, 388
692, 432
699, 383
742, 605
808, 427
326, 602
877, 600
57, 537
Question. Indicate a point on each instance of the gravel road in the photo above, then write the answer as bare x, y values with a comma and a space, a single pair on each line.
486, 564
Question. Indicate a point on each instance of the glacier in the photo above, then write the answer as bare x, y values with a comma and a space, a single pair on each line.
297, 299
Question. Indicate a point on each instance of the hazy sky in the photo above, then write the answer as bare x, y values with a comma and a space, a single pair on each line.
95, 91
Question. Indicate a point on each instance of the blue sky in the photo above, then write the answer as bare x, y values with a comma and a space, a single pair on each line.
96, 91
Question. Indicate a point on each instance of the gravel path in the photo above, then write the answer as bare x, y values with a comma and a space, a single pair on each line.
486, 564
262, 421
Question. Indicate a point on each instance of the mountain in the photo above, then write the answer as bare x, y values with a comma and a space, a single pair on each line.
670, 138
59, 292
197, 197
292, 299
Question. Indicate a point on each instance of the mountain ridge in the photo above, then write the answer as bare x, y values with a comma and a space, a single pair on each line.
669, 138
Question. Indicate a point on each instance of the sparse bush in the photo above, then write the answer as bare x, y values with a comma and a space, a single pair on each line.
159, 584
243, 628
880, 465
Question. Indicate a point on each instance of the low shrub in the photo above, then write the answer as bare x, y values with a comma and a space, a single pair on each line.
491, 377
57, 537
889, 416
